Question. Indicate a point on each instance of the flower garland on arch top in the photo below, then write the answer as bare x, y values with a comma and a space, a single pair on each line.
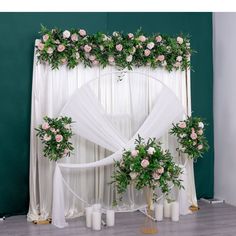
72, 47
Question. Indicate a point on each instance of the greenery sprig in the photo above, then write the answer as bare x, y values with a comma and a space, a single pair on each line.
72, 47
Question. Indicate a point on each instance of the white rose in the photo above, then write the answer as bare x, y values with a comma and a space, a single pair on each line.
133, 50
180, 40
37, 42
164, 63
129, 58
179, 58
115, 34
133, 175
66, 34
77, 55
182, 135
200, 125
151, 150
150, 45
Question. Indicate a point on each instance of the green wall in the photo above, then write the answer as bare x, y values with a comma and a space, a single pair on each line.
17, 34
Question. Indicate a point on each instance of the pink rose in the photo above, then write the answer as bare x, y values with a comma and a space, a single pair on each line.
87, 48
119, 47
160, 170
179, 40
144, 163
147, 52
111, 59
161, 58
200, 146
200, 132
45, 37
179, 58
40, 46
134, 153
92, 57
182, 125
177, 64
46, 137
74, 37
45, 126
151, 150
158, 38
49, 50
82, 32
130, 35
59, 138
129, 58
95, 62
156, 176
142, 38
193, 136
60, 48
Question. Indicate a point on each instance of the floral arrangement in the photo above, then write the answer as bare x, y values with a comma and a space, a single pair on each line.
71, 47
190, 135
55, 135
146, 166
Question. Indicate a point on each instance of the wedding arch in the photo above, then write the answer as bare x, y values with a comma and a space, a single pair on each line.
71, 90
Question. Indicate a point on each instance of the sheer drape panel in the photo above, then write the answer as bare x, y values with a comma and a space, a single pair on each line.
51, 91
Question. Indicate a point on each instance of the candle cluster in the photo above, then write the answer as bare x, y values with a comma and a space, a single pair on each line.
168, 210
94, 217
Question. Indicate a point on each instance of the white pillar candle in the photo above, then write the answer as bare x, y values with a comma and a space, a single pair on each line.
88, 214
167, 209
159, 212
110, 217
175, 211
96, 220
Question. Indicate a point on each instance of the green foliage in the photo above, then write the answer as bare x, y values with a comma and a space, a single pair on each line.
190, 135
171, 53
146, 166
55, 135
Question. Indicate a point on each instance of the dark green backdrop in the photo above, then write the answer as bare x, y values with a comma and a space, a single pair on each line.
17, 34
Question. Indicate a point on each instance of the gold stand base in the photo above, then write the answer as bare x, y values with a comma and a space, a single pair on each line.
147, 230
194, 208
42, 222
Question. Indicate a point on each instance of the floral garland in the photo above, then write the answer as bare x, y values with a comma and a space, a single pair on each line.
190, 135
55, 135
146, 166
72, 47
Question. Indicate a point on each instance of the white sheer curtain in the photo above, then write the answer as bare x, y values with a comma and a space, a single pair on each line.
51, 91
